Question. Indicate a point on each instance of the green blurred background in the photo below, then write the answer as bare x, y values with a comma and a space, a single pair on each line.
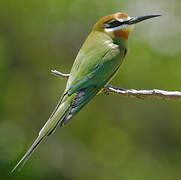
112, 137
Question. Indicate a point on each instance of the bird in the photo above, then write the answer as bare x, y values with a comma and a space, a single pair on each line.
95, 65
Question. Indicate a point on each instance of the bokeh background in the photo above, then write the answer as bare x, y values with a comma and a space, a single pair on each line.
112, 137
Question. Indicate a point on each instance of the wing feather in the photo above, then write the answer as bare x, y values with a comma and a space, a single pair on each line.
98, 58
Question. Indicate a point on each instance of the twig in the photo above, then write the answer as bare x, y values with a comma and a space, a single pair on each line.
59, 74
142, 93
109, 89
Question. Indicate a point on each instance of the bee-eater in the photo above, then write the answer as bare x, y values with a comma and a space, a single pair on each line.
95, 65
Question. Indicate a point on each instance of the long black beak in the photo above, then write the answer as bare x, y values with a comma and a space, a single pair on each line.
138, 19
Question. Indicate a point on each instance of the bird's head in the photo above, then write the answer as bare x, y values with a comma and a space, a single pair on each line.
119, 25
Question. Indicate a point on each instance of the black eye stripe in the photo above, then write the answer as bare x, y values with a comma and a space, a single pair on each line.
114, 23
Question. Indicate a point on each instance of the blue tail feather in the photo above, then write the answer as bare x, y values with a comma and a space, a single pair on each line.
81, 99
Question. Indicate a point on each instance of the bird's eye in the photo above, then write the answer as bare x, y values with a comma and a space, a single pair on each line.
113, 23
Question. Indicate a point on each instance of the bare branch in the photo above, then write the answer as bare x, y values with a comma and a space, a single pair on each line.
142, 93
59, 74
109, 89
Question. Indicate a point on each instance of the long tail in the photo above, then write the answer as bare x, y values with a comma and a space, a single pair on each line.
67, 107
58, 114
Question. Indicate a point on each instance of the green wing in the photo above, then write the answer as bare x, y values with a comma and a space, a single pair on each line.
96, 62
